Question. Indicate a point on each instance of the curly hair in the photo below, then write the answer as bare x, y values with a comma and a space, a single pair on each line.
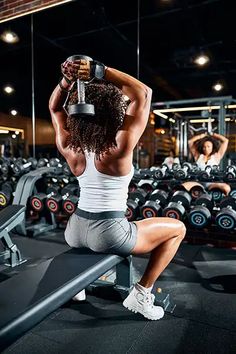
200, 143
96, 133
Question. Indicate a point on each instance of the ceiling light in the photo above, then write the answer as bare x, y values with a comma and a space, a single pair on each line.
2, 131
17, 132
8, 89
201, 60
202, 120
218, 87
9, 37
13, 136
13, 112
162, 131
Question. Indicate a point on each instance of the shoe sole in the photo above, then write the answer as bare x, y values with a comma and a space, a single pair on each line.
135, 310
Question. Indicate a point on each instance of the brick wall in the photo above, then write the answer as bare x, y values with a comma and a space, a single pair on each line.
10, 9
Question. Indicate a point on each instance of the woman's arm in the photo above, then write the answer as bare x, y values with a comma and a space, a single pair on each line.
137, 113
224, 144
191, 144
71, 71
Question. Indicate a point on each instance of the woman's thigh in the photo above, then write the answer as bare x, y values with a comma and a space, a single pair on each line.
152, 232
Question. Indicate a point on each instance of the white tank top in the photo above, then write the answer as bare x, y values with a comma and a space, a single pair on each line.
100, 192
212, 161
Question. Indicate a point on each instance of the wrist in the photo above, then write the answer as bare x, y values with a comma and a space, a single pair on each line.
64, 85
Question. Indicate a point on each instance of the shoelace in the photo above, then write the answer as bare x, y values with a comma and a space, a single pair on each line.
150, 298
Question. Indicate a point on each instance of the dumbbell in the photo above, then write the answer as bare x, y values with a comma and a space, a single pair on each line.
180, 201
42, 162
183, 172
6, 193
195, 189
200, 215
81, 109
206, 174
19, 169
66, 169
231, 173
64, 200
37, 201
226, 217
160, 173
135, 200
148, 185
153, 206
216, 194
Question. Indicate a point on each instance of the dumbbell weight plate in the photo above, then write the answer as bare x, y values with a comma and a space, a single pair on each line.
216, 194
196, 191
226, 219
150, 209
205, 200
199, 216
183, 197
37, 201
174, 211
228, 201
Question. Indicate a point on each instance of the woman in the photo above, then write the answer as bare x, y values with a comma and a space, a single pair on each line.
99, 151
208, 150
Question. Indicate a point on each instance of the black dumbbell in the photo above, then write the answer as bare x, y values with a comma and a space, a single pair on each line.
81, 109
70, 198
216, 194
231, 173
180, 201
38, 200
6, 194
20, 168
135, 200
160, 173
153, 206
197, 191
56, 202
206, 174
149, 185
200, 215
226, 217
233, 192
42, 162
183, 172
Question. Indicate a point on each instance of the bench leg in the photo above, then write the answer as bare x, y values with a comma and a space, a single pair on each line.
124, 276
12, 252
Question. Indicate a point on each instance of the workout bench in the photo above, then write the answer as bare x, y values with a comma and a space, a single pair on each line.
10, 217
28, 297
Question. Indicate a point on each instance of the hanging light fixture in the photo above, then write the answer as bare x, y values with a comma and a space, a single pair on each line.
9, 37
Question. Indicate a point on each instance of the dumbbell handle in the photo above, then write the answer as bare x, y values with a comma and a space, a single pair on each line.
81, 91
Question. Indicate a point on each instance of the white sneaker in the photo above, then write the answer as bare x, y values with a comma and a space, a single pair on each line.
81, 296
142, 302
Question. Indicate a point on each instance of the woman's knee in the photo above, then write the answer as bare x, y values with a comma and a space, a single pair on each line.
181, 230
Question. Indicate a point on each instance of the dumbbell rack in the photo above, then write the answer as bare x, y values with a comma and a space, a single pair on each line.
24, 189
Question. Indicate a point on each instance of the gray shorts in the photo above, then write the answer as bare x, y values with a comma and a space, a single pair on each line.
114, 235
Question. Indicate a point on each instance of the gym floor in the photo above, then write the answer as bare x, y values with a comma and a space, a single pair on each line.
201, 281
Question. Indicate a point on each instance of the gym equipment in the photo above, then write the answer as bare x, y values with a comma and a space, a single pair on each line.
206, 175
194, 188
44, 288
135, 200
148, 185
153, 206
26, 186
180, 201
6, 194
216, 194
11, 216
200, 215
183, 172
66, 201
160, 173
231, 173
81, 109
38, 200
19, 169
226, 217
42, 162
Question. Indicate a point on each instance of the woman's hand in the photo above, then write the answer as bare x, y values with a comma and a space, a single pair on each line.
78, 69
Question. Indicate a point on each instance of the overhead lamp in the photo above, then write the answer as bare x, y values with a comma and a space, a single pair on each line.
201, 60
9, 37
2, 131
202, 120
13, 136
13, 112
8, 89
162, 131
218, 87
